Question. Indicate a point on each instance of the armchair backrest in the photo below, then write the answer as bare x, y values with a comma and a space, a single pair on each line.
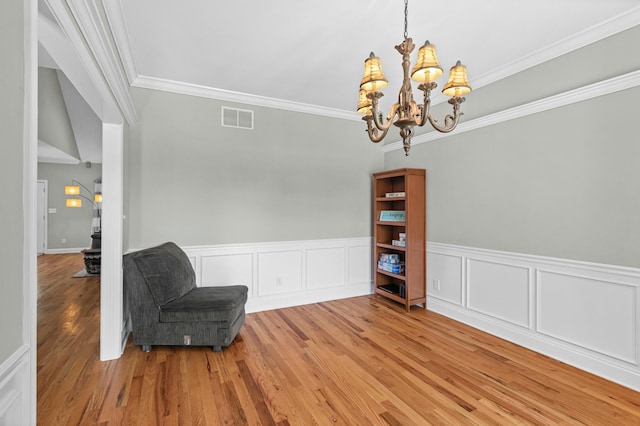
165, 270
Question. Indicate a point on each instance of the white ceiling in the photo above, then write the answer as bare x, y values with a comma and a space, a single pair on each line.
313, 52
309, 56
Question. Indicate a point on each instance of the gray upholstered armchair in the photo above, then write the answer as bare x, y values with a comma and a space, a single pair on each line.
167, 308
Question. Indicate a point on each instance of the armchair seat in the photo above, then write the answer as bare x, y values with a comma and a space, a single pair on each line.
167, 308
216, 304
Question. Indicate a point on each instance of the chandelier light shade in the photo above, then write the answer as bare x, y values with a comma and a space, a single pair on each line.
72, 190
373, 79
458, 85
74, 202
364, 106
406, 113
427, 67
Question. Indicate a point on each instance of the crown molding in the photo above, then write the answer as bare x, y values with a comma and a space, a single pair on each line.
115, 17
604, 87
97, 35
116, 20
583, 38
243, 98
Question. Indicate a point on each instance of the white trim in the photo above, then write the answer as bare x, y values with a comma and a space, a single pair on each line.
113, 10
45, 225
612, 362
28, 371
65, 250
111, 299
106, 107
88, 16
605, 87
583, 38
243, 98
17, 398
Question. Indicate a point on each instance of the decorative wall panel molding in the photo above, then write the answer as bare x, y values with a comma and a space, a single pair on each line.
287, 273
589, 312
14, 388
582, 313
491, 283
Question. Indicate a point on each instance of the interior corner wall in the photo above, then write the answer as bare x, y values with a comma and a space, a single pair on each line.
561, 183
293, 177
11, 173
54, 126
73, 225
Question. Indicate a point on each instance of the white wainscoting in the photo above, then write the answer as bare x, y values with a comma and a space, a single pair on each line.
14, 389
584, 314
286, 274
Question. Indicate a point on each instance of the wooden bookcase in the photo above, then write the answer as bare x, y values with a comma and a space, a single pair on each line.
407, 287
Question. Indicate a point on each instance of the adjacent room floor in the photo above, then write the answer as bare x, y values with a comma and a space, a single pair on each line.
357, 361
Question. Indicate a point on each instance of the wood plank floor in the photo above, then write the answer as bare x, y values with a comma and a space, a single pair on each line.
359, 361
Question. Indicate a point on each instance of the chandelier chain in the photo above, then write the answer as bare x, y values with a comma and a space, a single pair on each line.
406, 14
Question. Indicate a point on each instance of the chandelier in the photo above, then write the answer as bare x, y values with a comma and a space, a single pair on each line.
405, 113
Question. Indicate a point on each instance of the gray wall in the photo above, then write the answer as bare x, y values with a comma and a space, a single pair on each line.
562, 183
54, 126
295, 177
72, 224
11, 174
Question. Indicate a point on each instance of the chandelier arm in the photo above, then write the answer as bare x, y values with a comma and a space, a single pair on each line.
450, 123
377, 119
375, 134
450, 120
425, 108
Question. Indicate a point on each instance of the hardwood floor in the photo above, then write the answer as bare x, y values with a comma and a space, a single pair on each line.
359, 361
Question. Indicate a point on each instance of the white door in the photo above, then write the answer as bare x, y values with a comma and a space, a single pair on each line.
42, 216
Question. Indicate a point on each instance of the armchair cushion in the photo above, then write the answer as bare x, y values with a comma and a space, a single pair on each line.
216, 304
167, 272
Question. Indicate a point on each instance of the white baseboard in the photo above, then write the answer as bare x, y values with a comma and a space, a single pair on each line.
14, 388
64, 250
584, 314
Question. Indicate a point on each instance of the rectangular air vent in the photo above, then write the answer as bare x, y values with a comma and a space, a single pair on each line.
238, 118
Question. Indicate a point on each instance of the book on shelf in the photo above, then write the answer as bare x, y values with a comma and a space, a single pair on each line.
389, 258
400, 290
390, 262
394, 268
399, 243
394, 194
390, 288
392, 216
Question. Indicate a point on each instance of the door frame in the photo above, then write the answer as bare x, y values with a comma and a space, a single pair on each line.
45, 217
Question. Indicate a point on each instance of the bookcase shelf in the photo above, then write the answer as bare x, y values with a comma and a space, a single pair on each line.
409, 197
